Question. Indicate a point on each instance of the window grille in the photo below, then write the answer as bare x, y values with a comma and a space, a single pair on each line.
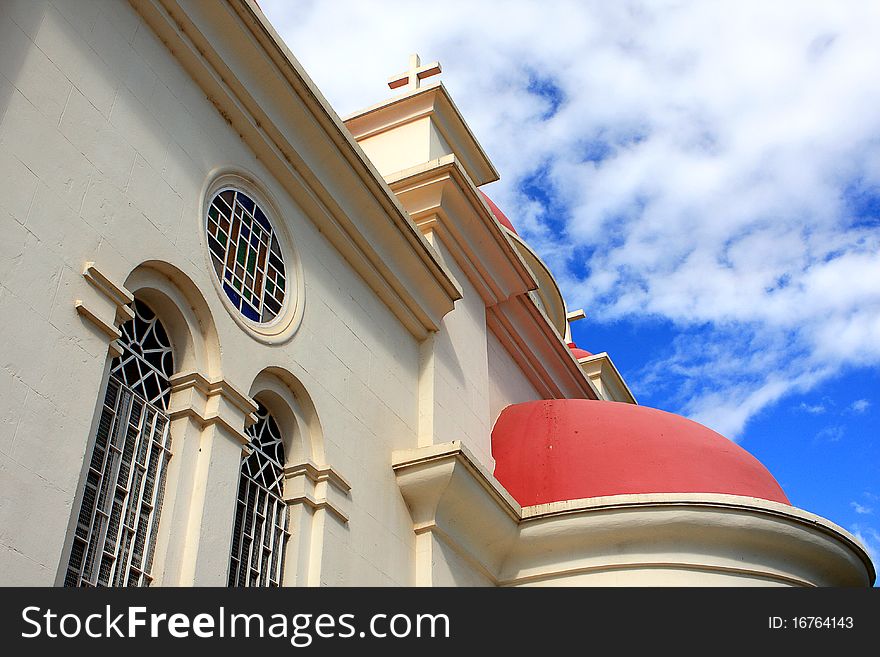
260, 531
246, 255
115, 534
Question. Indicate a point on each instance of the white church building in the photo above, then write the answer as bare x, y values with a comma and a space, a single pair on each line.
247, 342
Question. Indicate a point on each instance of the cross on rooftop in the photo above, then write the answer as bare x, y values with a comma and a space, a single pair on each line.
416, 73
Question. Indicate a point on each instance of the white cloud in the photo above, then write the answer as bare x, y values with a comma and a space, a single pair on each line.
816, 409
716, 165
861, 509
860, 406
831, 434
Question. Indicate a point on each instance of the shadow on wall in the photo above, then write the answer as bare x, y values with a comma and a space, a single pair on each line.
19, 22
125, 130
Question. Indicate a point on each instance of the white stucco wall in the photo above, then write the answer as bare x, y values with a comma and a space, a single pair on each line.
507, 383
461, 409
106, 145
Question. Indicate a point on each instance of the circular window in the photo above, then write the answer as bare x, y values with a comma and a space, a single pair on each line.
246, 255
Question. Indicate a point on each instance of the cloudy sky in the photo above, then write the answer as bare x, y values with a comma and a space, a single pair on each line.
702, 176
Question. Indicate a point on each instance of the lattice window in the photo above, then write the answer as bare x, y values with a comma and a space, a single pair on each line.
246, 255
146, 361
260, 531
115, 534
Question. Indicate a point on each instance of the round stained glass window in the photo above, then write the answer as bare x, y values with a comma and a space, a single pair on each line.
246, 255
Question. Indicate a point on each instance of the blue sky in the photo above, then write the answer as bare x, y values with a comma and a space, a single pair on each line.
702, 177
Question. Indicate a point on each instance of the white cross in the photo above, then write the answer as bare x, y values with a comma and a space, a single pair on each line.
416, 73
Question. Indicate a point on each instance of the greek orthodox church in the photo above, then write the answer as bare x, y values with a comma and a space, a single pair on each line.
246, 342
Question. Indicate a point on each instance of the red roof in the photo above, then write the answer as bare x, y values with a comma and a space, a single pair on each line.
577, 352
499, 215
568, 449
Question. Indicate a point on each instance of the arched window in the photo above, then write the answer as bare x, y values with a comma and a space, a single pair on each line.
260, 530
116, 526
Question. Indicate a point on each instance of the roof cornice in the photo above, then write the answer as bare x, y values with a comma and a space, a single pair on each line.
440, 197
548, 291
430, 100
529, 338
600, 368
291, 128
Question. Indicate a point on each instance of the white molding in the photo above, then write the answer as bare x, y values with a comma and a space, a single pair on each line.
317, 505
401, 460
318, 487
607, 378
318, 474
754, 575
211, 401
451, 496
441, 197
111, 290
211, 387
110, 330
108, 309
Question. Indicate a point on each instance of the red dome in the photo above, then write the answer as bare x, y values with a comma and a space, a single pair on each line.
568, 449
577, 352
499, 215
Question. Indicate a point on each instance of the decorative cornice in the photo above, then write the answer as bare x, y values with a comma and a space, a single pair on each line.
606, 378
430, 100
108, 309
211, 401
635, 565
317, 505
318, 487
441, 197
291, 128
212, 387
408, 459
111, 290
451, 496
318, 474
109, 330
